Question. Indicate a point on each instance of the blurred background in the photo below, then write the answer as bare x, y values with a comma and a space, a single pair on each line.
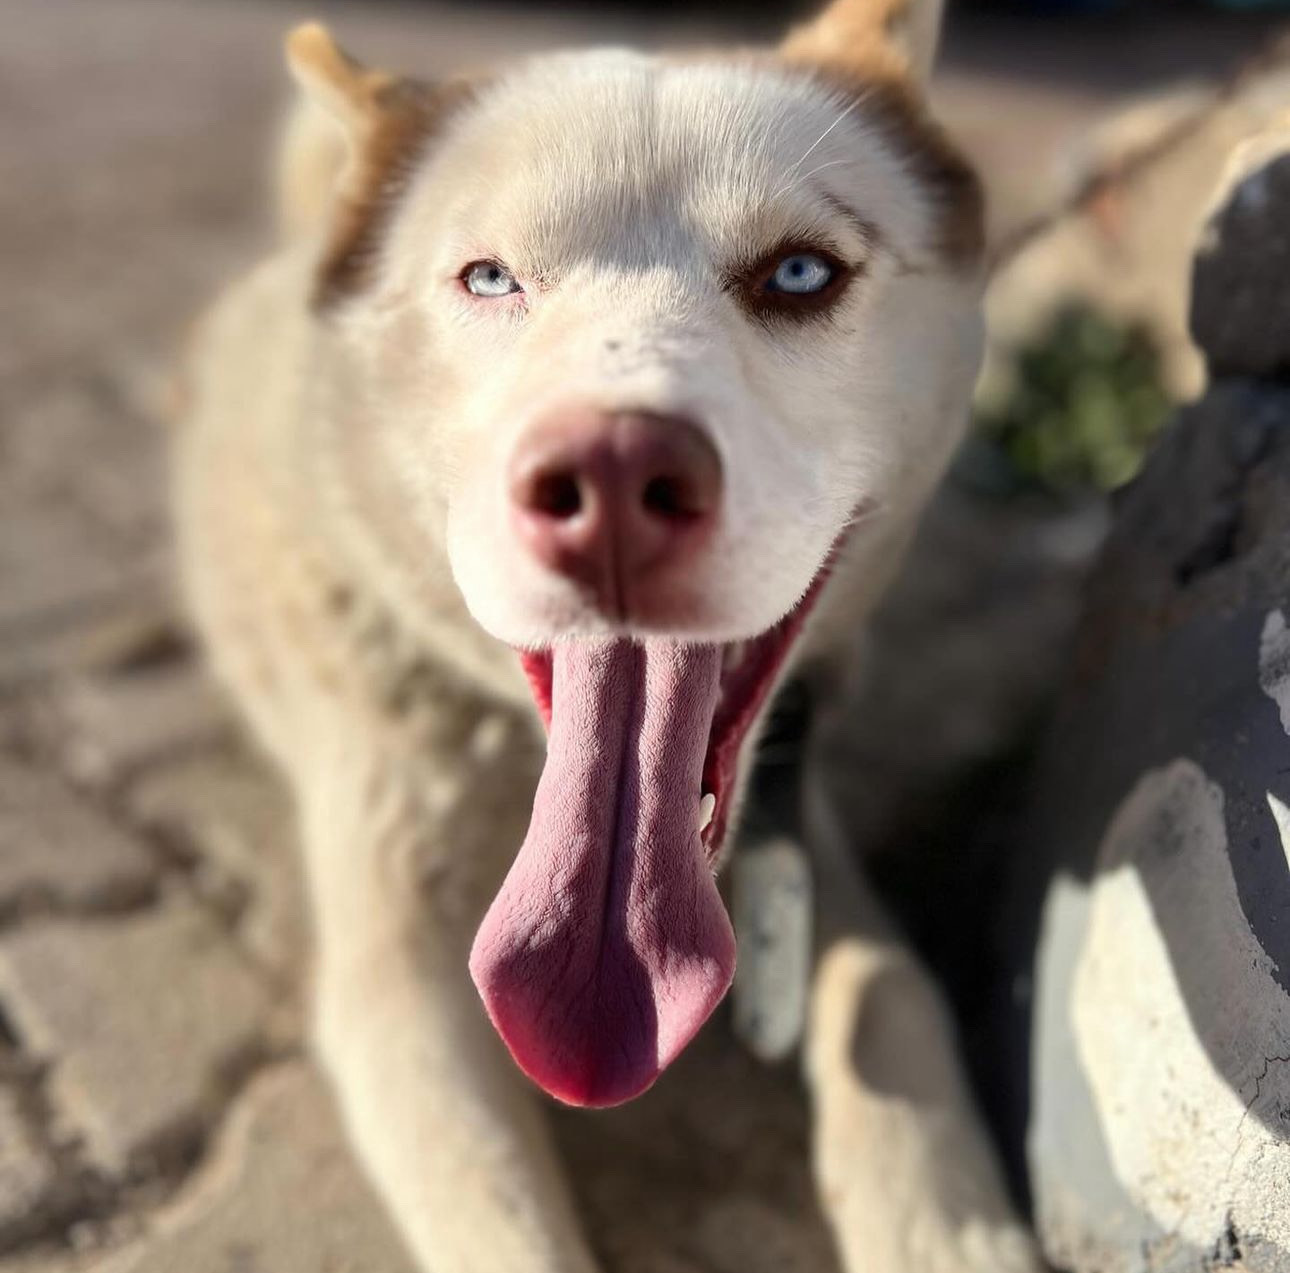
157, 1108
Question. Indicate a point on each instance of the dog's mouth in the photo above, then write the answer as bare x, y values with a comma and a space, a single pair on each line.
608, 945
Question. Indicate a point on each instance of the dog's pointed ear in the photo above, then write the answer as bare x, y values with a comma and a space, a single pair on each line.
888, 39
345, 89
382, 120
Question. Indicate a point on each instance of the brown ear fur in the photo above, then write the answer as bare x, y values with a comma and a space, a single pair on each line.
880, 39
880, 52
387, 120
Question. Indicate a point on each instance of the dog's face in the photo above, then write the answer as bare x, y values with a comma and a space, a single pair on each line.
642, 342
605, 233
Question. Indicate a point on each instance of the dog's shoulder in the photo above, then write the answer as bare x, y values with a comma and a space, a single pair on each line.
254, 328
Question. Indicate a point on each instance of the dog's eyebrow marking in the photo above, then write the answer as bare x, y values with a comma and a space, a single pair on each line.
860, 223
869, 233
810, 150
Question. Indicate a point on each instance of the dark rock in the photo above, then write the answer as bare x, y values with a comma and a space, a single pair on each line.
1160, 839
1240, 312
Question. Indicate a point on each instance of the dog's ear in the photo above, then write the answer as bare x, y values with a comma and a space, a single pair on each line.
353, 95
349, 149
885, 39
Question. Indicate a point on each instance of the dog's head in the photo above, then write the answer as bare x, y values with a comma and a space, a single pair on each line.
645, 341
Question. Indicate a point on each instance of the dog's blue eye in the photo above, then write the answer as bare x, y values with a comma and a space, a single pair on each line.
801, 275
489, 278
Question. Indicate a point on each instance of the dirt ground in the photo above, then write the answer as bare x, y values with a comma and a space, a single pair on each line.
157, 1108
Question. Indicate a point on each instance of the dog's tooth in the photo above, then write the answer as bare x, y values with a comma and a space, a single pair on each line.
707, 807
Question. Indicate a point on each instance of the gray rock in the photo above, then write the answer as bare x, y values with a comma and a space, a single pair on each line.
1160, 1130
50, 1258
82, 634
145, 1020
279, 1192
1240, 311
234, 818
57, 567
57, 850
27, 1173
106, 727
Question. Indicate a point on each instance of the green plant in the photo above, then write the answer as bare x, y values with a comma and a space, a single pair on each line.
1086, 401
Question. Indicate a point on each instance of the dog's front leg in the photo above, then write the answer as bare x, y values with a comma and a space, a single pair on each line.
907, 1178
454, 1144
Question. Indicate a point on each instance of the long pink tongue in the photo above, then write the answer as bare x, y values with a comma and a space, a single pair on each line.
608, 945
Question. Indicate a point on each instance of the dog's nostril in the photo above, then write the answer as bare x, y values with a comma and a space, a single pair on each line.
556, 495
666, 497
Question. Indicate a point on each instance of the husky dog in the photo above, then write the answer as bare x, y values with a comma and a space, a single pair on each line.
612, 385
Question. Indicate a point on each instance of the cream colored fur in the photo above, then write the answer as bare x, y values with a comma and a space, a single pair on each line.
339, 509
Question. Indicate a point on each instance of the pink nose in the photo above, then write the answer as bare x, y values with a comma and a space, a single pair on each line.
609, 498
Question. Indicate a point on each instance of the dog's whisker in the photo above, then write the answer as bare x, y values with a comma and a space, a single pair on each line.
810, 150
801, 181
